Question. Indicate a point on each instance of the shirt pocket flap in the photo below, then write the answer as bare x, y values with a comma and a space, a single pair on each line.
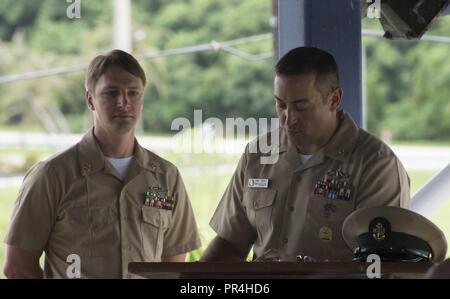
259, 199
156, 217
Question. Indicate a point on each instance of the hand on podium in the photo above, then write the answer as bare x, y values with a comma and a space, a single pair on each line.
275, 255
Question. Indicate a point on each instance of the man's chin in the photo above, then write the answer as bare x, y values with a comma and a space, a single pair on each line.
297, 139
293, 136
123, 127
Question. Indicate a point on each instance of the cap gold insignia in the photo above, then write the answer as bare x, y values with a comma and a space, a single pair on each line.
379, 232
325, 234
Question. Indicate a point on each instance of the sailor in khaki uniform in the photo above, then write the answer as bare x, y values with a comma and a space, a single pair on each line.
106, 199
327, 168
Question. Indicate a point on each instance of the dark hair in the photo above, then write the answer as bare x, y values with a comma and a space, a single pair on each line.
304, 60
100, 64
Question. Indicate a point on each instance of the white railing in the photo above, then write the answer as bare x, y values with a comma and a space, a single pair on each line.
433, 195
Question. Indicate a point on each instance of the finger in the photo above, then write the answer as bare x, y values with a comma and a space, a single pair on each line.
268, 257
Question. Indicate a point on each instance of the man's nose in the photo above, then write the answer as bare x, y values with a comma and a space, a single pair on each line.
291, 117
122, 100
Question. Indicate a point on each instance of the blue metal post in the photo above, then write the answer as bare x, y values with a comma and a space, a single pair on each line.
332, 25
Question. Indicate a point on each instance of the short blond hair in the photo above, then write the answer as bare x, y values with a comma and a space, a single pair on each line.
100, 64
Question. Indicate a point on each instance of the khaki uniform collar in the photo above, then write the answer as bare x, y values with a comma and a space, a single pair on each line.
344, 139
145, 159
90, 156
340, 145
92, 160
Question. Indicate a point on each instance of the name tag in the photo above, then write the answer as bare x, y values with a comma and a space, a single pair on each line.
258, 183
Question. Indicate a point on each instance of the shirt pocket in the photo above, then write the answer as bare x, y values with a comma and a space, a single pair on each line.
260, 204
155, 222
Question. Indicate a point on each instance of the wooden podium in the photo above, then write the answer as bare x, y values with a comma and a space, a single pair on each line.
274, 270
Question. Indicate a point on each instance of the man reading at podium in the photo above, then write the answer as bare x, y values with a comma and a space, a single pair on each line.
327, 168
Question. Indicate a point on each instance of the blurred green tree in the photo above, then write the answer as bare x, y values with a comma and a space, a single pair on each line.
407, 83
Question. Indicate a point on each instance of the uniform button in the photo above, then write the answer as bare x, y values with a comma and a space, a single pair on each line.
125, 218
285, 240
298, 177
291, 209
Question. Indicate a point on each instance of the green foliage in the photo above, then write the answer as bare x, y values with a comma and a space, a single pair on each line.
407, 83
216, 82
408, 86
220, 84
15, 16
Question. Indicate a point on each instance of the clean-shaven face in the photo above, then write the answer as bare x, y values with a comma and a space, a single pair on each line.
117, 100
304, 115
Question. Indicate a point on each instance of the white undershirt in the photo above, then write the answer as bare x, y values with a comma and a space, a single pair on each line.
122, 165
304, 158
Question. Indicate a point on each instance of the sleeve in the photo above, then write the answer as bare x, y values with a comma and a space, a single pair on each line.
384, 182
34, 211
183, 234
230, 220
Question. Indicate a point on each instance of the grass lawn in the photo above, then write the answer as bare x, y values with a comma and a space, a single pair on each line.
7, 198
205, 186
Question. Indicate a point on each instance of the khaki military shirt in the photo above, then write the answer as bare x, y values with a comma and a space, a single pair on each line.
301, 209
75, 203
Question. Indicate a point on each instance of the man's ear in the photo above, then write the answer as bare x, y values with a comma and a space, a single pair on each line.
336, 99
89, 100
